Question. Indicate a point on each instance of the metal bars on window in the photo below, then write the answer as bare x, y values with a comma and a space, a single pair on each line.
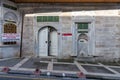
82, 27
10, 28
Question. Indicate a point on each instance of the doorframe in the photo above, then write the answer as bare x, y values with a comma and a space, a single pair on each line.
48, 45
91, 33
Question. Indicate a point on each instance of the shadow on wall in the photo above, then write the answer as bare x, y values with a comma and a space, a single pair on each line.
69, 7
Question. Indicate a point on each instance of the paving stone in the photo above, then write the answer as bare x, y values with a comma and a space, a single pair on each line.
35, 63
116, 69
10, 62
96, 69
65, 67
45, 59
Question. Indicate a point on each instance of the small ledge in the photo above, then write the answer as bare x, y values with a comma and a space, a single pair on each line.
2, 46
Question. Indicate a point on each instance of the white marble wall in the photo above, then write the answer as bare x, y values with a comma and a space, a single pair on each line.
7, 51
104, 33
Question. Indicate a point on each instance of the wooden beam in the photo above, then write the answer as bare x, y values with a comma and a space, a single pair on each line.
65, 1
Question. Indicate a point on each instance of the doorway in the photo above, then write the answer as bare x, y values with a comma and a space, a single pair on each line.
48, 41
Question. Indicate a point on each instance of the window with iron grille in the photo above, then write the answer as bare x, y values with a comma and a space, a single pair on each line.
82, 27
10, 28
47, 18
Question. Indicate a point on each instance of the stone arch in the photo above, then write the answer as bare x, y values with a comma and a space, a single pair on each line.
47, 26
83, 36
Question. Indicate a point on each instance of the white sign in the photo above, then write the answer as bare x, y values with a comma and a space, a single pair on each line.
10, 36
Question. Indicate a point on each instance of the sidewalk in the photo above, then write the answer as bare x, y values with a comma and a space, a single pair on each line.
26, 66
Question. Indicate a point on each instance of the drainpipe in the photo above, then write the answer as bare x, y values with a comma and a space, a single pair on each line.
21, 34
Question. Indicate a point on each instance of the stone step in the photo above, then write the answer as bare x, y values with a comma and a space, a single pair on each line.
85, 59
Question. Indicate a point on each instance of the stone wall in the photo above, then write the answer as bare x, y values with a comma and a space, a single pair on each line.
66, 25
107, 37
28, 36
105, 18
8, 13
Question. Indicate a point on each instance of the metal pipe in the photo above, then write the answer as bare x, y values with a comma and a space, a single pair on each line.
21, 34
